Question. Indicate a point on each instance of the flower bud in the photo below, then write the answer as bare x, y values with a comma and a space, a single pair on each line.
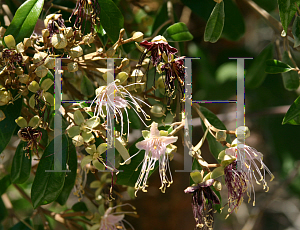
21, 122
2, 31
37, 57
122, 76
217, 172
72, 67
217, 185
2, 115
5, 97
137, 73
159, 38
27, 42
10, 41
59, 41
76, 52
196, 176
221, 135
45, 33
138, 36
24, 78
41, 71
50, 63
242, 132
19, 71
158, 110
69, 32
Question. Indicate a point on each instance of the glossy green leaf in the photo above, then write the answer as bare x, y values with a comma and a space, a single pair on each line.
296, 31
234, 26
293, 114
287, 10
215, 147
130, 172
87, 87
8, 125
70, 176
256, 74
178, 32
101, 34
21, 165
111, 19
215, 24
4, 182
275, 66
3, 210
80, 207
291, 78
25, 19
47, 186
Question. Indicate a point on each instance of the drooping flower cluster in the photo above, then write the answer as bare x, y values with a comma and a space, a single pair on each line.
202, 203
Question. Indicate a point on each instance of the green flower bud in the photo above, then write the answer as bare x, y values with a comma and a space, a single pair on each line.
217, 172
196, 176
78, 140
5, 97
33, 86
78, 117
72, 67
158, 110
59, 41
21, 122
73, 131
138, 36
34, 121
46, 84
217, 185
221, 135
50, 63
10, 41
37, 57
122, 76
41, 71
2, 115
242, 132
76, 52
24, 78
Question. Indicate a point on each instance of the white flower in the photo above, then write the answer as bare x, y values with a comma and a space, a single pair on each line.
114, 221
116, 98
155, 146
251, 160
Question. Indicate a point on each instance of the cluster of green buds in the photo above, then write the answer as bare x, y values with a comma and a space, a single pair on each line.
5, 96
81, 133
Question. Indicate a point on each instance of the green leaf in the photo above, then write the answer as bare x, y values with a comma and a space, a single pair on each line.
287, 10
70, 176
21, 165
291, 78
296, 31
47, 186
215, 24
25, 19
21, 225
293, 114
4, 182
215, 147
111, 19
234, 26
178, 32
130, 175
101, 34
8, 125
87, 87
256, 74
276, 66
3, 210
80, 207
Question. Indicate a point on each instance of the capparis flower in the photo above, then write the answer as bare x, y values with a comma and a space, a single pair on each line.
202, 203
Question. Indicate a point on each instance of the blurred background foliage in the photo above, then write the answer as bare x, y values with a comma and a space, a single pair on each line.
245, 34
